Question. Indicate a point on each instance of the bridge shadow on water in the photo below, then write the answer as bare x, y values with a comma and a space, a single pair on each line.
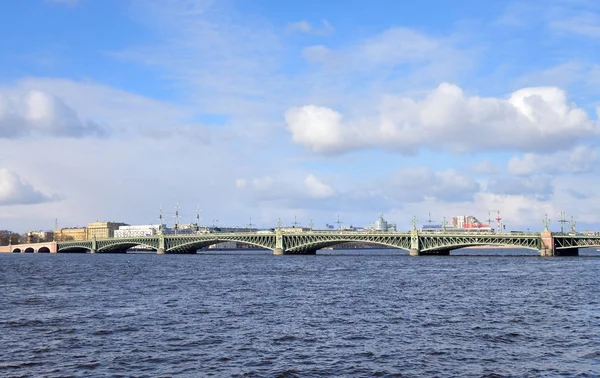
463, 252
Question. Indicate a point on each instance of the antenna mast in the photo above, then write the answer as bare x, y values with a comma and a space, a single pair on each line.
176, 218
339, 223
198, 218
429, 221
562, 221
499, 222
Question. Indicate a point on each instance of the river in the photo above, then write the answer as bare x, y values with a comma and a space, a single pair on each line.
364, 313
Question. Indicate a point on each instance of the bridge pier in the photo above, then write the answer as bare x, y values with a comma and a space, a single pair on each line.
278, 252
414, 252
160, 251
92, 250
548, 247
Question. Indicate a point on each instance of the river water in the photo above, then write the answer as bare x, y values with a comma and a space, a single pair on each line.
367, 313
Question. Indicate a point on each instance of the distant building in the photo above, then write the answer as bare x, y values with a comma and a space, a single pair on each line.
461, 224
39, 236
75, 233
103, 230
295, 229
381, 225
468, 222
138, 230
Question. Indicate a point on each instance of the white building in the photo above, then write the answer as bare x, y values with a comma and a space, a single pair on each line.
140, 230
382, 225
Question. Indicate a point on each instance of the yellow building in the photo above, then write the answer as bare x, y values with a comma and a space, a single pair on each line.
64, 234
103, 230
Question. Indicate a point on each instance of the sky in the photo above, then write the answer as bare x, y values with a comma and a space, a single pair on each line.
299, 111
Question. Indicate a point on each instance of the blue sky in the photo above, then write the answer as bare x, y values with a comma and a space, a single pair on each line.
308, 109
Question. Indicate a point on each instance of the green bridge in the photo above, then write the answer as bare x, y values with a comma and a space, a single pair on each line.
308, 242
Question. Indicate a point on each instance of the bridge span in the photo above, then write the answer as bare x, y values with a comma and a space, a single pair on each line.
305, 243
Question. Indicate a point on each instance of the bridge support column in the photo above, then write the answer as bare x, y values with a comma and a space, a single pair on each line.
279, 243
547, 247
415, 247
92, 250
161, 250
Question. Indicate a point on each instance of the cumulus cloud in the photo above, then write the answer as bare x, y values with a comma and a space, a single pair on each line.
16, 191
316, 188
580, 159
531, 120
39, 113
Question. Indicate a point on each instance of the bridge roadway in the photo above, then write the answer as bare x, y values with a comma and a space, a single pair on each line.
306, 243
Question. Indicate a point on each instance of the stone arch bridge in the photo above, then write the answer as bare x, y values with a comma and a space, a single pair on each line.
305, 243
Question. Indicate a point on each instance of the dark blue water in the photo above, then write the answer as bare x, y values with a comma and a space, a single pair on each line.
337, 315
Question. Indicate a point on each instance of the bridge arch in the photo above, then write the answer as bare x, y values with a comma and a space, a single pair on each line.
453, 247
311, 243
193, 246
121, 247
17, 250
44, 250
29, 250
330, 243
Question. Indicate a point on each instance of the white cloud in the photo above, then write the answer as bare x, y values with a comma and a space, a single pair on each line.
40, 113
316, 188
39, 106
319, 128
531, 119
580, 159
16, 191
